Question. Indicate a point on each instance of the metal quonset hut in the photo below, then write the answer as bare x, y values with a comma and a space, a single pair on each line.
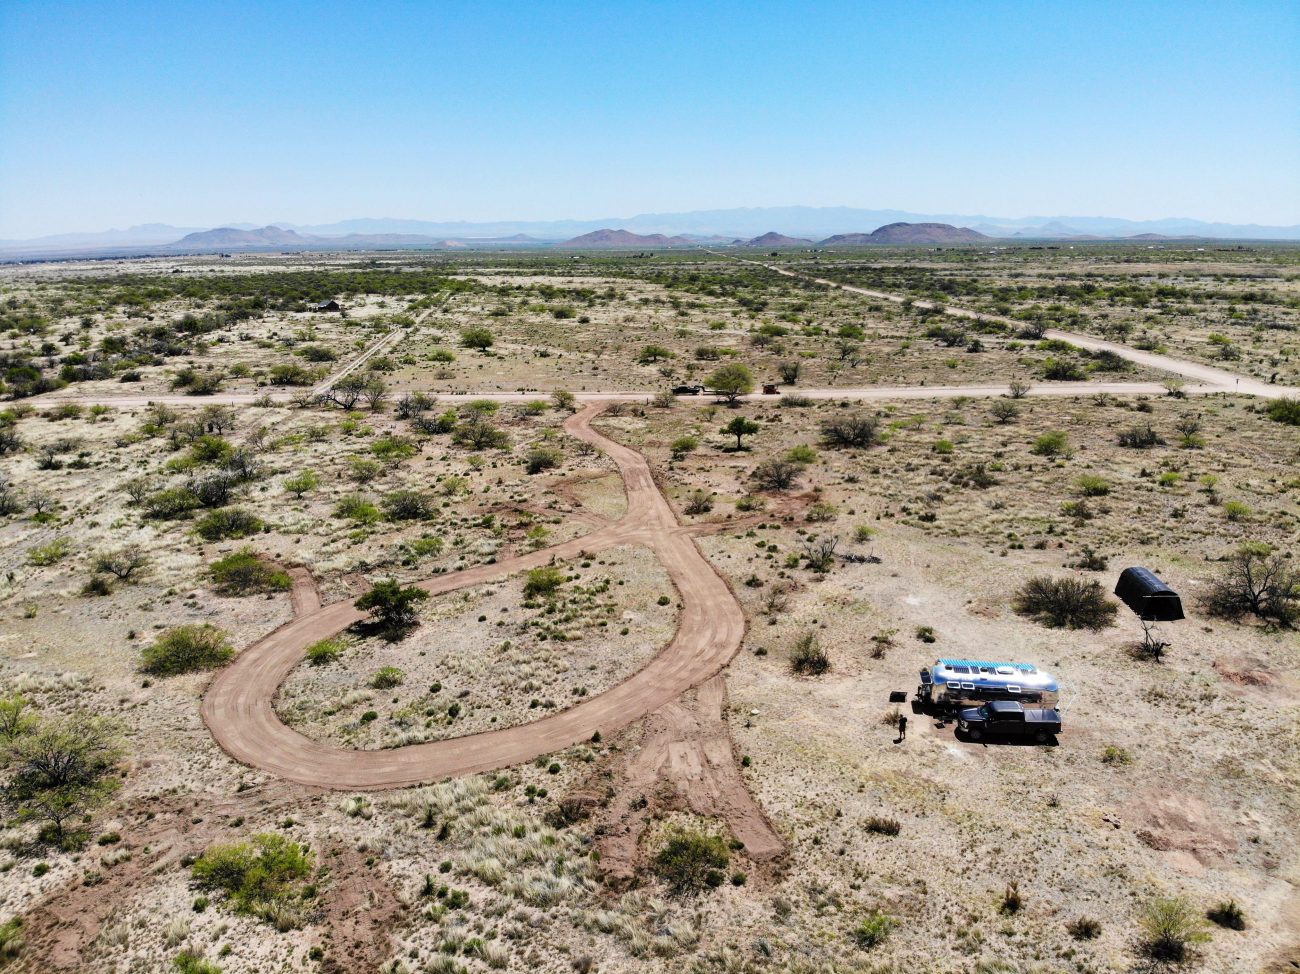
1149, 598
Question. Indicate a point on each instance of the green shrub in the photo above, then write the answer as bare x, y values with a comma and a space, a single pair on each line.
808, 657
11, 939
1065, 603
1091, 485
302, 483
187, 649
393, 448
407, 505
262, 877
544, 581
479, 338
1171, 929
684, 445
244, 573
1051, 444
1116, 756
392, 607
387, 677
231, 523
691, 861
1236, 511
356, 508
190, 963
1285, 410
49, 554
325, 651
874, 930
542, 457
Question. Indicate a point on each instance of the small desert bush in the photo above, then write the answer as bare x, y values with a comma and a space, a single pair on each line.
1171, 929
1051, 444
356, 508
776, 474
1090, 485
698, 502
263, 877
1285, 410
1140, 438
188, 962
187, 649
324, 652
387, 677
541, 458
691, 861
874, 930
11, 939
1227, 914
855, 430
1012, 899
1084, 928
49, 554
883, 826
1065, 603
1257, 581
233, 522
407, 505
1116, 756
808, 657
244, 573
543, 581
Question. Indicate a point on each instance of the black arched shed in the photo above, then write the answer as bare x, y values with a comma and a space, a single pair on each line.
1151, 599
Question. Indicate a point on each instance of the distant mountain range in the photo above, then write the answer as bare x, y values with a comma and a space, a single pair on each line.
278, 238
894, 234
800, 224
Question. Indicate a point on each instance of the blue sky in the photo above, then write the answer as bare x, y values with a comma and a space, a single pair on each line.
198, 114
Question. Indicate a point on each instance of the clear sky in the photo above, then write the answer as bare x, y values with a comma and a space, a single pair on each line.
202, 113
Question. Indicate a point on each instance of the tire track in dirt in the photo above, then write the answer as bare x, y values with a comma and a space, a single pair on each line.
238, 704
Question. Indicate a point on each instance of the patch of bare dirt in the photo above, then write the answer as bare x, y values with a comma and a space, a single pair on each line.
1181, 823
360, 909
684, 761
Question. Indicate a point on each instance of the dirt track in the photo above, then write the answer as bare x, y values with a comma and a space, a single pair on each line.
238, 705
1209, 379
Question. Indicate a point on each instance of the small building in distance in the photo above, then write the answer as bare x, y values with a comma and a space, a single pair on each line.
330, 305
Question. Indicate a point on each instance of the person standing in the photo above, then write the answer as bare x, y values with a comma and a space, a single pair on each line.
902, 728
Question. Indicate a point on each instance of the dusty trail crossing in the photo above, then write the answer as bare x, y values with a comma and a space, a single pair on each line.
238, 705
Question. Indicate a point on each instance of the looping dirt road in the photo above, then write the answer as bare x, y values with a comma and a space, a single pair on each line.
238, 705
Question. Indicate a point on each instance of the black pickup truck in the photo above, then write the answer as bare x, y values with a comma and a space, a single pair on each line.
1007, 718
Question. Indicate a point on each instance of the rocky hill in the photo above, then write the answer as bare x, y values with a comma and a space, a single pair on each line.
774, 239
229, 238
624, 238
908, 234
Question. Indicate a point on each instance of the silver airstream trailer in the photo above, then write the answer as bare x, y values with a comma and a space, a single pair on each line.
969, 683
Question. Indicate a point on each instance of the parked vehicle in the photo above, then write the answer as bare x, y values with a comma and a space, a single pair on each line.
769, 389
954, 683
1007, 718
687, 390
